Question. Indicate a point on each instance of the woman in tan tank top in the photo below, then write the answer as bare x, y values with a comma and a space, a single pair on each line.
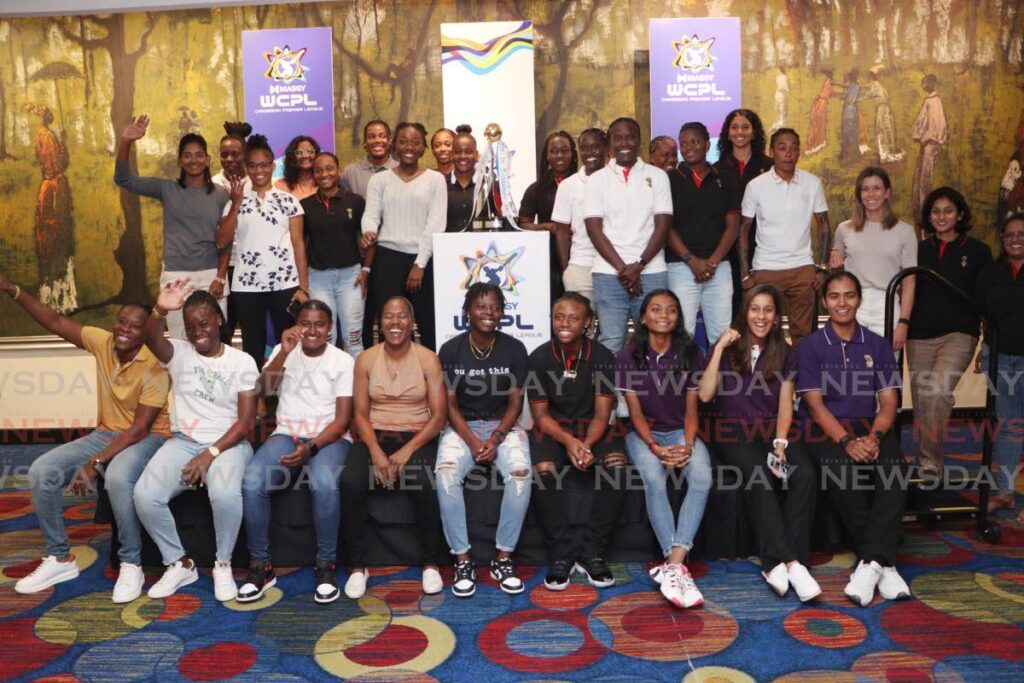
400, 406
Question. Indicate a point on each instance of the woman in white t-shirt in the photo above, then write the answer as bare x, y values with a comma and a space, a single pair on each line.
313, 380
568, 211
265, 225
875, 245
214, 388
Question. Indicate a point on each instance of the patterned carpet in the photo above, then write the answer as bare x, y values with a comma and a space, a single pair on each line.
966, 622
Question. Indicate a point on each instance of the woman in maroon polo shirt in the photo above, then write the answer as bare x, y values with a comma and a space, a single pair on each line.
751, 377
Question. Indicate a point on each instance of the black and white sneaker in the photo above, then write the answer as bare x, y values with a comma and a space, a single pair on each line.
465, 579
557, 578
504, 572
261, 578
326, 583
597, 572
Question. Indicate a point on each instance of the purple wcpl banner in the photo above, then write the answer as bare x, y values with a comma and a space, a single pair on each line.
289, 86
695, 74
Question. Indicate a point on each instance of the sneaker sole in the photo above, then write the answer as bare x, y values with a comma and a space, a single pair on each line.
256, 596
53, 581
556, 586
781, 594
898, 596
188, 582
464, 594
317, 598
596, 583
808, 598
856, 599
124, 600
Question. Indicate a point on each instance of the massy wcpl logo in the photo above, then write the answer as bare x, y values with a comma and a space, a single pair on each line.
493, 267
694, 54
286, 65
288, 93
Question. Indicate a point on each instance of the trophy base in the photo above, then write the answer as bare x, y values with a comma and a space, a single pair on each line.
487, 225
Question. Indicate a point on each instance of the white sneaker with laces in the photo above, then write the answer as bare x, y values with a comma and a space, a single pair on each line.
778, 579
803, 583
355, 587
891, 585
432, 582
863, 581
657, 573
175, 576
224, 587
691, 594
679, 588
49, 572
129, 583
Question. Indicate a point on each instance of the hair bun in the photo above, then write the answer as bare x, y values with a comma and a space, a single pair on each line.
238, 128
464, 129
257, 140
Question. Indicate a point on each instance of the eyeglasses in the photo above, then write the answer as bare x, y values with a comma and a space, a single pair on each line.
304, 153
258, 165
1013, 235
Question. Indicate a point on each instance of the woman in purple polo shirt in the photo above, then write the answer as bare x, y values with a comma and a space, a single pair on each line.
751, 378
849, 381
653, 374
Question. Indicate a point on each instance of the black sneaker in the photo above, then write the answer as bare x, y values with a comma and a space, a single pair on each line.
260, 578
557, 578
597, 572
465, 579
504, 572
326, 583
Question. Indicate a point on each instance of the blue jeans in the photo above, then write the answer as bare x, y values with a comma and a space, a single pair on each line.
615, 306
337, 288
1010, 409
266, 474
55, 469
678, 534
714, 296
161, 482
454, 461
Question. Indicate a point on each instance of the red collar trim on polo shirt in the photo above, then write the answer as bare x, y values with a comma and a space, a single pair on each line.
585, 350
625, 172
1014, 271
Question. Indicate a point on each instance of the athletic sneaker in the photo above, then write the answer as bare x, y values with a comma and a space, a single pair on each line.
431, 581
326, 583
597, 572
175, 576
657, 573
465, 579
355, 587
261, 577
778, 579
803, 583
557, 578
129, 583
891, 585
49, 572
504, 572
863, 581
679, 588
224, 588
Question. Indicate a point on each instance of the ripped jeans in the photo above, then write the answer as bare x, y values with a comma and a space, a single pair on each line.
454, 461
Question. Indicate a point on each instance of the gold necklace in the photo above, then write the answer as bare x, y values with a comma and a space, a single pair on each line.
478, 353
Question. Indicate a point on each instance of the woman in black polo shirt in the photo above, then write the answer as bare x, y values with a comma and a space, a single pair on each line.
337, 275
943, 332
571, 395
751, 376
461, 187
1000, 290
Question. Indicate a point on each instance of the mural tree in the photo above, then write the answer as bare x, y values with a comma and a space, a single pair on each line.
130, 254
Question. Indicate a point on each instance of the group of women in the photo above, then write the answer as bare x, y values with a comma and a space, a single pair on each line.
306, 253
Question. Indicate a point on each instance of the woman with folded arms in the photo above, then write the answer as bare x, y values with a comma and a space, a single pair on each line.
313, 380
654, 372
751, 377
214, 388
400, 408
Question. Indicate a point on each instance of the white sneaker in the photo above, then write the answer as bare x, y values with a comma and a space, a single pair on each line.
432, 582
891, 585
355, 587
224, 587
175, 576
129, 583
863, 580
657, 573
678, 586
803, 583
48, 573
778, 579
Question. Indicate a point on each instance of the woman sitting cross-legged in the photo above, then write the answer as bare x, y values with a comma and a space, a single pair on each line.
751, 377
655, 374
571, 399
313, 380
486, 372
400, 407
214, 389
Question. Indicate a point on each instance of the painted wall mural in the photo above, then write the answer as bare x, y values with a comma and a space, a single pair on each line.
933, 90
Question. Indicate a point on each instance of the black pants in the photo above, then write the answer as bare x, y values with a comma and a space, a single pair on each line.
387, 279
227, 332
253, 308
416, 478
869, 497
782, 529
549, 497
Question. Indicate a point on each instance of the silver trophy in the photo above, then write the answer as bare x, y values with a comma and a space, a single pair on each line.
491, 210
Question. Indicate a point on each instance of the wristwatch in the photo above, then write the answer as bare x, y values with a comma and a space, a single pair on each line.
879, 434
500, 434
687, 257
845, 440
213, 451
313, 448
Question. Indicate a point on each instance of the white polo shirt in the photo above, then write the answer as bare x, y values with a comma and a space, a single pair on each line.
628, 208
783, 211
569, 210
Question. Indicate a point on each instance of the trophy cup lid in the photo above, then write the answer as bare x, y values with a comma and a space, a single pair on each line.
492, 132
